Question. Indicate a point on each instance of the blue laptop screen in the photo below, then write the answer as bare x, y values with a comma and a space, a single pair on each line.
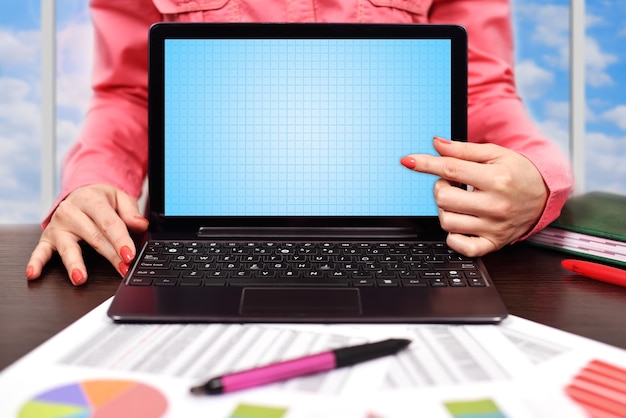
302, 127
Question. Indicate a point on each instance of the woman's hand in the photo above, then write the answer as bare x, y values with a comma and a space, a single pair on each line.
507, 200
100, 215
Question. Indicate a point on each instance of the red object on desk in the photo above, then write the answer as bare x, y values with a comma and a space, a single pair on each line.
597, 271
600, 389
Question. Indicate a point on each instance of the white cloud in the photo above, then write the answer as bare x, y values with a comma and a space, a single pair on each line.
67, 132
605, 168
557, 110
531, 79
551, 29
18, 49
12, 89
552, 23
592, 20
18, 209
557, 131
19, 159
597, 62
19, 126
75, 55
16, 110
18, 113
590, 113
74, 63
9, 182
617, 115
18, 200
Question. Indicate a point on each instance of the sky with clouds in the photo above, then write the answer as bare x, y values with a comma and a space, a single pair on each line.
20, 86
542, 72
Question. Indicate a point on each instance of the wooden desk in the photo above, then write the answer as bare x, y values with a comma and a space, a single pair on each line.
531, 282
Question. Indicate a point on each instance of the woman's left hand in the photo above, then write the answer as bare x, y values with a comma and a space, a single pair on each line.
507, 200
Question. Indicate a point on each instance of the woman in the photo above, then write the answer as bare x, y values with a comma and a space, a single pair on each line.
520, 179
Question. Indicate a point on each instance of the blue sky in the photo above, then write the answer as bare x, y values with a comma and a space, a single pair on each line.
542, 71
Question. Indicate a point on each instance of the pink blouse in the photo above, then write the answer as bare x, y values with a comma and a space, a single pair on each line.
113, 145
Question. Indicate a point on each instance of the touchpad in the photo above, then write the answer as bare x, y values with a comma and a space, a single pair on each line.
295, 302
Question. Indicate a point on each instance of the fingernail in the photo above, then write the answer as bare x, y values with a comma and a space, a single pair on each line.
408, 162
77, 277
123, 268
29, 272
127, 254
442, 140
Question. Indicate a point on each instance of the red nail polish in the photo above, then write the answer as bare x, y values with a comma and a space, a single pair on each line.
408, 162
29, 272
77, 277
126, 254
123, 268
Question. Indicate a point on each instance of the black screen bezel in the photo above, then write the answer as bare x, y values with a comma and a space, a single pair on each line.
160, 32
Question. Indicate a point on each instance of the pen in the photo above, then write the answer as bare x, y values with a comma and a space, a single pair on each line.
596, 271
310, 364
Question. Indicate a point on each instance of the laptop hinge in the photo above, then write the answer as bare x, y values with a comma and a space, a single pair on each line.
304, 233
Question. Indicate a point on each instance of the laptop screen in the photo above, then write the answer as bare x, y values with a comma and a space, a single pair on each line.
302, 127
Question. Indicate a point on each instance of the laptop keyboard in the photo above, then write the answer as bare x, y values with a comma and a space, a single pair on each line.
307, 264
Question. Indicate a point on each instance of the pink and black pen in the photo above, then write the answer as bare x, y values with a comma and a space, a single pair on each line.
302, 366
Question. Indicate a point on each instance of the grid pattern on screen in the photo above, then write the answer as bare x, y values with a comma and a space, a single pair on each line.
308, 127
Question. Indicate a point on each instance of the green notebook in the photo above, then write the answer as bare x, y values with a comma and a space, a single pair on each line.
598, 214
592, 225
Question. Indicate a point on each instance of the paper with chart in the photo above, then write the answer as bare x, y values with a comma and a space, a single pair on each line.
516, 369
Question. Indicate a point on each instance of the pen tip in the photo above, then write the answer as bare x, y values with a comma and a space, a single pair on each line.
400, 343
197, 390
212, 387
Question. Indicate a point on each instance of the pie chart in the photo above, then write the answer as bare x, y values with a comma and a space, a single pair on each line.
97, 399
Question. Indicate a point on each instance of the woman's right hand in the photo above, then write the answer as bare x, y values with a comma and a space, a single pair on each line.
99, 214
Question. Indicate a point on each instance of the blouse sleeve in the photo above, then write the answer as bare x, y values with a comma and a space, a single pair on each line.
112, 147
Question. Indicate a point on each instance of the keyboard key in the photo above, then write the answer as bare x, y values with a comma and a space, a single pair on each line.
140, 281
193, 274
155, 273
477, 282
414, 282
438, 283
363, 282
190, 282
215, 282
457, 282
164, 281
387, 282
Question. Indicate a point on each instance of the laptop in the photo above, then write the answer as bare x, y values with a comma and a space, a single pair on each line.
276, 192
